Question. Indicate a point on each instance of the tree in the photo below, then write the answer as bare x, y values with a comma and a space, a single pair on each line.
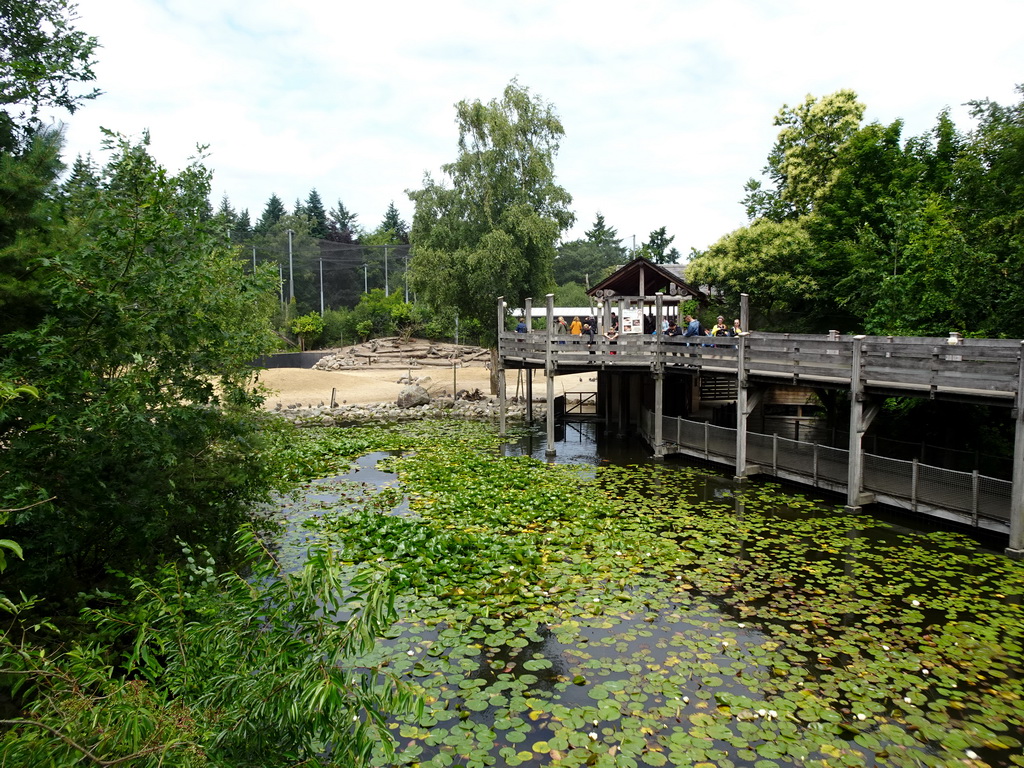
769, 260
42, 56
272, 214
308, 328
493, 231
587, 261
314, 209
394, 224
657, 249
142, 361
341, 225
28, 210
802, 163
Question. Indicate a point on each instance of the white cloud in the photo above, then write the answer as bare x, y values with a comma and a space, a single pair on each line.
667, 105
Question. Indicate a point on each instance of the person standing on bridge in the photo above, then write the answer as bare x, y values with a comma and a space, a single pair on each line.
612, 334
576, 329
561, 328
735, 330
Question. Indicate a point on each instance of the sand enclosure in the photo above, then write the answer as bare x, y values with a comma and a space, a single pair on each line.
371, 384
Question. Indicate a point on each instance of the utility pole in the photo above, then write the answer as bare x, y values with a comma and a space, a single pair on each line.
387, 291
291, 268
366, 288
321, 287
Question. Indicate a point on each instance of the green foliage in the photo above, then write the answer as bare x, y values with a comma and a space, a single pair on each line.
42, 55
446, 325
802, 164
493, 232
145, 387
658, 248
770, 261
393, 227
334, 334
28, 176
692, 621
219, 671
589, 261
376, 315
272, 214
308, 327
866, 232
317, 215
571, 294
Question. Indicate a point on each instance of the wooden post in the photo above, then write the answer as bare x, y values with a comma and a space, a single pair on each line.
1016, 548
659, 397
502, 405
746, 402
549, 373
861, 416
529, 396
528, 317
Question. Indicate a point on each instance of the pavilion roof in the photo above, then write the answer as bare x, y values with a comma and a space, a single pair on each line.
642, 279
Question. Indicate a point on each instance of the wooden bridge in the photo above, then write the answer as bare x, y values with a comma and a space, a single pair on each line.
632, 372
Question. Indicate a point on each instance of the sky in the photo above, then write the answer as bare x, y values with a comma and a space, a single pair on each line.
667, 105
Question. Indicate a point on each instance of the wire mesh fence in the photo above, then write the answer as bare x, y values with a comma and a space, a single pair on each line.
321, 274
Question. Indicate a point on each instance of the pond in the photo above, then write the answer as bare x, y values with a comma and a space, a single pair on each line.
610, 614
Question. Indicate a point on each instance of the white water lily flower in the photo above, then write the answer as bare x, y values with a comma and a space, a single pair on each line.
914, 603
741, 625
593, 736
861, 716
686, 699
924, 670
885, 647
772, 713
907, 700
411, 653
971, 754
762, 712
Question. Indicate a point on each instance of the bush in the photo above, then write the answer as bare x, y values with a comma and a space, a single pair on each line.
219, 671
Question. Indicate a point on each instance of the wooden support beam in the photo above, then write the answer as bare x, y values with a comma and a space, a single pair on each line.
862, 412
659, 412
747, 399
549, 373
502, 405
1016, 543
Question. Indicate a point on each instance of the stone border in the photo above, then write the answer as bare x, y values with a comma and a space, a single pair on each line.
438, 408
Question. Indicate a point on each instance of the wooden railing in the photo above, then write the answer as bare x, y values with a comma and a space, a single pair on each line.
985, 368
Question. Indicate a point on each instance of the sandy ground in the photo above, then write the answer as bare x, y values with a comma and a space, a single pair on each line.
377, 385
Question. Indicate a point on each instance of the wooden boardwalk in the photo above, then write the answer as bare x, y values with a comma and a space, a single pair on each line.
986, 371
974, 370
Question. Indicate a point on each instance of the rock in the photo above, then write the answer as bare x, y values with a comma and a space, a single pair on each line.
412, 395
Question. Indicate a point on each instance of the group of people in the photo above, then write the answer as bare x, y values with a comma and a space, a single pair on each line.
694, 327
588, 327
585, 327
